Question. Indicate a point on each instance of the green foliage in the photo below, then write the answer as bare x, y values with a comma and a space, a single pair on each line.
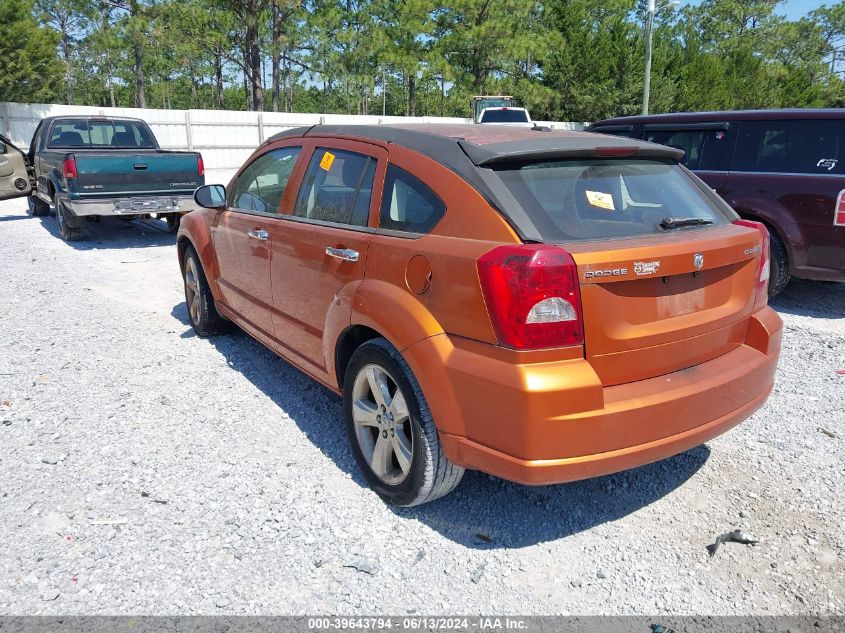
29, 64
563, 59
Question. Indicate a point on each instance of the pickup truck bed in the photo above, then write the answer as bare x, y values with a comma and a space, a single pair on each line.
120, 182
97, 166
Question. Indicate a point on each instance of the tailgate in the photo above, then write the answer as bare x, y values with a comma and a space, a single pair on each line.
136, 173
662, 303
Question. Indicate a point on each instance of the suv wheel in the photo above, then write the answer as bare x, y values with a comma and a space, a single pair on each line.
391, 430
779, 267
68, 232
37, 207
202, 312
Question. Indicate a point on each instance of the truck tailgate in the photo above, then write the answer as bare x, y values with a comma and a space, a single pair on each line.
136, 172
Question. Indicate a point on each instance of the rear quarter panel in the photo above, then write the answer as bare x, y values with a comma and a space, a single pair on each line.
800, 208
452, 302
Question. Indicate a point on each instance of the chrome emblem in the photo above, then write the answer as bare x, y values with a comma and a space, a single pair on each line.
646, 268
698, 261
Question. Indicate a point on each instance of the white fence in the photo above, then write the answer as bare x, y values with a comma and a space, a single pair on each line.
224, 137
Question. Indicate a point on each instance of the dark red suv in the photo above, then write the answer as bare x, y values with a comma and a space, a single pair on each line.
784, 168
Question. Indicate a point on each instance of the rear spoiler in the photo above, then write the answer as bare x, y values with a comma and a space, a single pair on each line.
550, 147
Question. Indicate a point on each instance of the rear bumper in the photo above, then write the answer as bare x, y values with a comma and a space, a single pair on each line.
138, 205
552, 422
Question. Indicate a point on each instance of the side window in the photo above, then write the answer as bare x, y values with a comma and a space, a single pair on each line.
261, 185
407, 204
337, 187
705, 149
802, 147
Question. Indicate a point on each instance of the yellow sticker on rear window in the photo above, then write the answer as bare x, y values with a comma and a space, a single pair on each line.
600, 200
328, 159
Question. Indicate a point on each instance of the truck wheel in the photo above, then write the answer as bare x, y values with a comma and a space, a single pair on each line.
779, 267
391, 430
69, 233
173, 221
38, 207
204, 317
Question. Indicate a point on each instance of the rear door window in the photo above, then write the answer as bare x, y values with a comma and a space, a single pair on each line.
337, 187
796, 147
407, 204
589, 199
705, 150
260, 186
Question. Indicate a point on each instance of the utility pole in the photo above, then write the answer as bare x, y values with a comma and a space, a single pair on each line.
649, 24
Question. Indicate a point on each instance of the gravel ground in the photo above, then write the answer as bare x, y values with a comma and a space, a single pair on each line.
146, 471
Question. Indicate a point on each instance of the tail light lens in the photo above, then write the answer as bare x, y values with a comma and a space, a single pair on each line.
532, 296
839, 211
200, 165
69, 167
762, 297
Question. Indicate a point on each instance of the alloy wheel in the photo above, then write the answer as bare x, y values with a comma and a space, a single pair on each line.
382, 424
192, 289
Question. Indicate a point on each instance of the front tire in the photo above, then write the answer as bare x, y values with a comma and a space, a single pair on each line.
202, 312
37, 207
779, 266
391, 430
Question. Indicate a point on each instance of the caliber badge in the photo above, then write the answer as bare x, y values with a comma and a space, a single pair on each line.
646, 268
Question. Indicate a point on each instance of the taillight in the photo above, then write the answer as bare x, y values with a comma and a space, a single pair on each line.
762, 297
839, 211
69, 167
532, 296
200, 165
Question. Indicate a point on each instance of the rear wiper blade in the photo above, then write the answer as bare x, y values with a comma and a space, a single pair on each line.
676, 223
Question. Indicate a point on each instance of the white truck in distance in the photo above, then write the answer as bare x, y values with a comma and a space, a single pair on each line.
518, 117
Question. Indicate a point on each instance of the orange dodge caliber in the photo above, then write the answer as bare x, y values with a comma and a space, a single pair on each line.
543, 306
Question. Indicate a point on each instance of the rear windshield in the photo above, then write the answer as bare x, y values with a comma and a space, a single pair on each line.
589, 199
76, 133
504, 116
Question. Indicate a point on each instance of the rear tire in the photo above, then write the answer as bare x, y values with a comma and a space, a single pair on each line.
65, 218
395, 443
779, 267
37, 207
173, 220
199, 301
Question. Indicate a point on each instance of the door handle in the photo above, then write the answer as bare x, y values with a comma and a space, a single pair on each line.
346, 254
258, 234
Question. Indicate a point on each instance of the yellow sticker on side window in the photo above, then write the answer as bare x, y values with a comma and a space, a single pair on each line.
601, 200
328, 159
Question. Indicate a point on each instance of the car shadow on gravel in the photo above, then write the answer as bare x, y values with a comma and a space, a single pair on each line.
484, 512
113, 233
818, 299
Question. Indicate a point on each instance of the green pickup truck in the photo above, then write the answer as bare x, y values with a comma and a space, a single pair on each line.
88, 167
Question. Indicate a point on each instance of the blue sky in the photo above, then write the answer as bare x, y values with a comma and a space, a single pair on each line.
792, 9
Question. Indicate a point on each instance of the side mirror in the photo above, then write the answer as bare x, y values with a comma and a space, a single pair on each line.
3, 148
210, 196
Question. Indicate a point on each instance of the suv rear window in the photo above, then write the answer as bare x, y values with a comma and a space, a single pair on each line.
590, 199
